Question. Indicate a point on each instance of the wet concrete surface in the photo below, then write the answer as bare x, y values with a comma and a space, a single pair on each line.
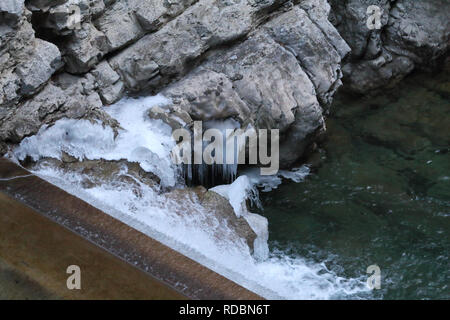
16, 285
43, 230
35, 253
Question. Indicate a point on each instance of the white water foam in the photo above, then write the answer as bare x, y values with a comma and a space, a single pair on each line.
269, 183
198, 236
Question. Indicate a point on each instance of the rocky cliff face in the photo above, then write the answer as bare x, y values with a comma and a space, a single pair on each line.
411, 34
270, 63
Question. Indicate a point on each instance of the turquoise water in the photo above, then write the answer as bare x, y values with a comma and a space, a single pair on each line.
379, 192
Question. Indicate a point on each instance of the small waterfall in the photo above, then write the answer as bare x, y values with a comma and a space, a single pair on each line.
210, 175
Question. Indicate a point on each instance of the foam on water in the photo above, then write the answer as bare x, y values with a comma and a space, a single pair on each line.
198, 235
269, 183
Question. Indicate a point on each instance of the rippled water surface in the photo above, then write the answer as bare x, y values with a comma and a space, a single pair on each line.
380, 193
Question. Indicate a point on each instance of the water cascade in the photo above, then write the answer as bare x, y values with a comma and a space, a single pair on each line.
217, 172
275, 274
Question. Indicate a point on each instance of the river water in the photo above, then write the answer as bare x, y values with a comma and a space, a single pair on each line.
379, 192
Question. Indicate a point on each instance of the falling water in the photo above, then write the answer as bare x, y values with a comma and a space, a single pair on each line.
210, 175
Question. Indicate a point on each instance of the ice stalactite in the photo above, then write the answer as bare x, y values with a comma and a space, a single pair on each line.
217, 172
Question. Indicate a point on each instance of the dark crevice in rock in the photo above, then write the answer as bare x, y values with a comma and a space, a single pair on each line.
38, 23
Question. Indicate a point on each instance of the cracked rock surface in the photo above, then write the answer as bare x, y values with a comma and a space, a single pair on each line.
274, 64
413, 34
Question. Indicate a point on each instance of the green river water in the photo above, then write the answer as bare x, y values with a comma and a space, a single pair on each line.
380, 193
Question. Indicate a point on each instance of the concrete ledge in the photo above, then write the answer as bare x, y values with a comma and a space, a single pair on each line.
169, 273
